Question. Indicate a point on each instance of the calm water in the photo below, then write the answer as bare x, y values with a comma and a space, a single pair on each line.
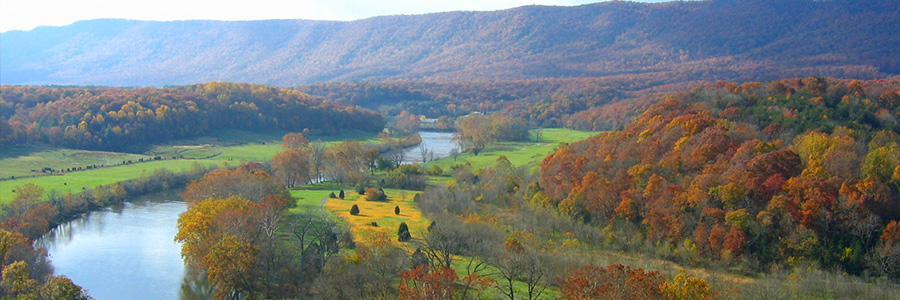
122, 253
437, 142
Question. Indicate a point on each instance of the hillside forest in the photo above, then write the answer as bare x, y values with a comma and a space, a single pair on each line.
771, 173
122, 119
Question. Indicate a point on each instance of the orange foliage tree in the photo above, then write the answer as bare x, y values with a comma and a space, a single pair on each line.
613, 282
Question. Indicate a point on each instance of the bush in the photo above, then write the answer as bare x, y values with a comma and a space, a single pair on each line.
354, 210
341, 195
403, 233
331, 195
382, 196
372, 194
396, 210
361, 190
374, 224
435, 170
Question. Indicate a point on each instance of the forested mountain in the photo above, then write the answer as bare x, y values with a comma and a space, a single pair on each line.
544, 102
774, 172
662, 42
118, 118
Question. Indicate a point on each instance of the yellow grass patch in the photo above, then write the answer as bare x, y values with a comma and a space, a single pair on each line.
381, 213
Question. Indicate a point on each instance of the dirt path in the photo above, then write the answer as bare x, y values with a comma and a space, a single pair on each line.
322, 204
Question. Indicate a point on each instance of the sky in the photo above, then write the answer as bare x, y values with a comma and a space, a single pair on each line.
28, 14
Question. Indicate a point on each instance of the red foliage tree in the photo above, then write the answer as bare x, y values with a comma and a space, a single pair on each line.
613, 282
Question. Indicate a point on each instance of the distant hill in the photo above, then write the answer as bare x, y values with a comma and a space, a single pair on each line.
662, 42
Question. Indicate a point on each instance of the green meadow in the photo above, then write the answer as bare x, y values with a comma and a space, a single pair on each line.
234, 147
23, 161
518, 153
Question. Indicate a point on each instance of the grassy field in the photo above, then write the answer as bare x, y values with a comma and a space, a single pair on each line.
379, 212
236, 147
76, 181
310, 196
518, 153
30, 160
187, 152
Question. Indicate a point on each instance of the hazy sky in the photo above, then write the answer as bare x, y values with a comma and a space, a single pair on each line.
27, 14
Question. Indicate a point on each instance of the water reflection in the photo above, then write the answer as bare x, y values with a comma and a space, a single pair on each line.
195, 286
123, 253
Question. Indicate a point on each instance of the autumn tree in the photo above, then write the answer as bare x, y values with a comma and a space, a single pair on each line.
248, 181
61, 287
348, 161
612, 282
406, 123
372, 194
292, 166
475, 132
225, 237
425, 284
229, 266
18, 282
520, 262
294, 140
371, 272
686, 287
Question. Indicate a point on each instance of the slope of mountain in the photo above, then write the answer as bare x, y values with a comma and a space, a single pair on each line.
677, 41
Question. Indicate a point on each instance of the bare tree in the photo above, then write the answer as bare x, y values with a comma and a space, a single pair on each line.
454, 153
539, 134
317, 156
318, 239
423, 152
517, 262
396, 155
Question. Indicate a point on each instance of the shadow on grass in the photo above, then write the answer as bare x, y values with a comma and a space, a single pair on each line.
19, 151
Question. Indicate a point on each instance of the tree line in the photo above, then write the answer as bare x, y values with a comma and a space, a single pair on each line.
119, 118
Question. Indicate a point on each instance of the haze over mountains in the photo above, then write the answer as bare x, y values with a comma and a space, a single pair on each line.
663, 42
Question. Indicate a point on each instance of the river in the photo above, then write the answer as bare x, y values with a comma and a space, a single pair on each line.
128, 252
439, 144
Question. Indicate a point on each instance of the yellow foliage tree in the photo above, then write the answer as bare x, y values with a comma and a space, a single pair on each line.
686, 287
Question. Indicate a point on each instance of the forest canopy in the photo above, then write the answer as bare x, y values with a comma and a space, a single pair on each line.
115, 118
797, 169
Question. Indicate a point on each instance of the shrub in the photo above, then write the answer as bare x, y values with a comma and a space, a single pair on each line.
341, 195
354, 210
361, 190
331, 195
435, 170
372, 195
403, 233
374, 224
396, 210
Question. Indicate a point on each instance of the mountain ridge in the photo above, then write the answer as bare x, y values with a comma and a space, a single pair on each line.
697, 40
